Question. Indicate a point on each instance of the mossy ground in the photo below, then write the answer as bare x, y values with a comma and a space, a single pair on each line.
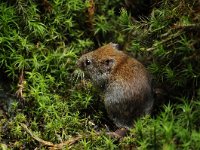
42, 95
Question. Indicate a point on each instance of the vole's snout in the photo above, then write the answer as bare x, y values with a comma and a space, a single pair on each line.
79, 63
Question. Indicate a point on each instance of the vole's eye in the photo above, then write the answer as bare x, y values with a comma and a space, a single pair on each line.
87, 62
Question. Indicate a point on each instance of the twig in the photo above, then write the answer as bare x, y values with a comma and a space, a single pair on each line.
46, 143
118, 134
187, 27
166, 40
21, 84
52, 146
91, 12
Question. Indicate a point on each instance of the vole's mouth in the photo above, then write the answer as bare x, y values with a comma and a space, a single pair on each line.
78, 74
81, 70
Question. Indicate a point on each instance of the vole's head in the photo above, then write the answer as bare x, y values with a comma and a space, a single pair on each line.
98, 64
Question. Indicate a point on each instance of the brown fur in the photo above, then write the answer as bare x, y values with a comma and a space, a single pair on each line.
124, 81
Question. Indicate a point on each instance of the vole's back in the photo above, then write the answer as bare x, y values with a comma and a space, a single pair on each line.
126, 82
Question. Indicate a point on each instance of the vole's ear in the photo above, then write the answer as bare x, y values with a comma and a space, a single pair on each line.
115, 46
109, 63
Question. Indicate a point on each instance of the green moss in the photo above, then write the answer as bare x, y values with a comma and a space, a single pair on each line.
40, 42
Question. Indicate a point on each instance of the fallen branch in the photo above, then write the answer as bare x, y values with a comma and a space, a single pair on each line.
118, 134
52, 146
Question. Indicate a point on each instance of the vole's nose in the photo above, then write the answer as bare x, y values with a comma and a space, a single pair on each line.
80, 63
